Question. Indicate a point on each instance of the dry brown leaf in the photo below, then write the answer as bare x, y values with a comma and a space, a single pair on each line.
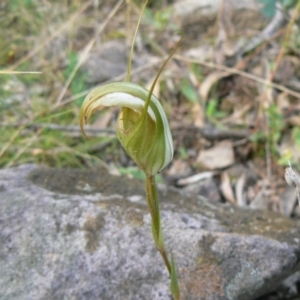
179, 168
239, 187
206, 52
209, 81
288, 147
282, 102
226, 188
195, 178
237, 117
294, 120
198, 115
104, 119
218, 157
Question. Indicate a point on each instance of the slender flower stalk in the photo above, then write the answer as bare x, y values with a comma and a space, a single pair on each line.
153, 205
143, 131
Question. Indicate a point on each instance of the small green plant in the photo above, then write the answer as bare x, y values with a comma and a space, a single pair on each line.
188, 91
14, 5
197, 71
160, 18
212, 111
272, 134
143, 131
183, 153
276, 124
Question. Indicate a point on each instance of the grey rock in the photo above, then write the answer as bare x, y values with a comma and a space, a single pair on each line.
204, 12
109, 61
81, 234
206, 188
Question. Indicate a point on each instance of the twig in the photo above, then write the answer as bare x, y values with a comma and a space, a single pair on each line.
19, 72
212, 133
91, 131
268, 158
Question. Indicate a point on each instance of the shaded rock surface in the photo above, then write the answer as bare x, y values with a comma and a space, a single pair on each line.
108, 62
74, 234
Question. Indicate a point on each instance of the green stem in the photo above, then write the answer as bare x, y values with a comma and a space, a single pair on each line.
152, 200
165, 258
153, 205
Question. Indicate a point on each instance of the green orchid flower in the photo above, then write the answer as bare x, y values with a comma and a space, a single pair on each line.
143, 131
145, 135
